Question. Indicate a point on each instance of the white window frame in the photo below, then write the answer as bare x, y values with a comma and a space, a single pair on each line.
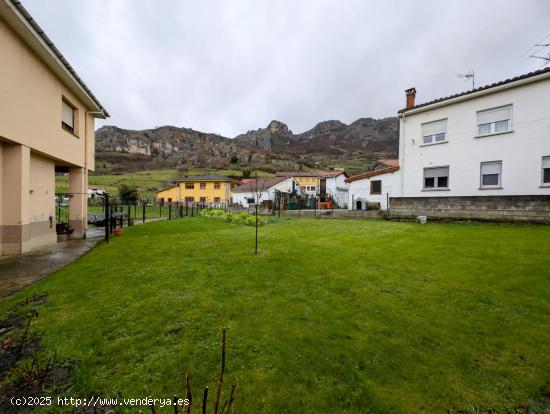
436, 179
432, 139
493, 186
493, 125
547, 159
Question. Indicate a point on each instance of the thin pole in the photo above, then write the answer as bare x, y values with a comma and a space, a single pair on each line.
107, 218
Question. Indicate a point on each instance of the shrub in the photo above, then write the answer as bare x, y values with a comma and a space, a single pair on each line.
241, 218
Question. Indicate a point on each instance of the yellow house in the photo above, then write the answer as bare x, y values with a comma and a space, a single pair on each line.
200, 189
47, 117
309, 182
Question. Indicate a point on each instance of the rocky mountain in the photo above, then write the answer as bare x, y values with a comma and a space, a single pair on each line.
275, 147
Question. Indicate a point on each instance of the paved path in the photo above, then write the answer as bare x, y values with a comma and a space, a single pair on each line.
16, 272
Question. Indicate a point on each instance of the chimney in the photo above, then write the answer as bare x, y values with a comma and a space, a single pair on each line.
411, 93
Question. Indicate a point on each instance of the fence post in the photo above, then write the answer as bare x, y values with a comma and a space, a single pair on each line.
144, 213
170, 211
186, 206
181, 209
192, 208
315, 205
129, 212
107, 218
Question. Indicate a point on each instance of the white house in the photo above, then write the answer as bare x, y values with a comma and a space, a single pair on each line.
245, 194
490, 141
374, 187
334, 183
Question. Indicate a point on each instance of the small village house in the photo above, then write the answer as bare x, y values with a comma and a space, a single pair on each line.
373, 188
47, 119
322, 183
206, 189
264, 190
483, 154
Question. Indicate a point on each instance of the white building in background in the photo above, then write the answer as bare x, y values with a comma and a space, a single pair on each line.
245, 194
374, 187
491, 141
334, 183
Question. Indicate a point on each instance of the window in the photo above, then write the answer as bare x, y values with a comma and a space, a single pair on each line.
217, 186
546, 170
491, 173
216, 199
169, 199
190, 199
203, 199
189, 186
436, 178
68, 118
434, 132
376, 187
250, 200
494, 121
203, 186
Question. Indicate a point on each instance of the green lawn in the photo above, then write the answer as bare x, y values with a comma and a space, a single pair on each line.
333, 316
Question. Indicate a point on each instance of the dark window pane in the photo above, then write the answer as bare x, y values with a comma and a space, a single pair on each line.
442, 182
429, 182
501, 126
440, 137
376, 187
546, 176
428, 139
489, 179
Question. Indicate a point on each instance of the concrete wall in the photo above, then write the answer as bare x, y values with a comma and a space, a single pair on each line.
531, 208
520, 151
340, 213
42, 201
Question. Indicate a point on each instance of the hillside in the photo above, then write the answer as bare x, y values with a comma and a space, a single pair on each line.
276, 147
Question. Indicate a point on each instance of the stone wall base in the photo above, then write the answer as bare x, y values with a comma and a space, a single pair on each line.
529, 209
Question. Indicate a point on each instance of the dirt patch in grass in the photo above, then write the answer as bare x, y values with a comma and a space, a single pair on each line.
27, 370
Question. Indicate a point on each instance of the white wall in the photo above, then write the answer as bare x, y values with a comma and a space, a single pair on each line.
520, 151
339, 189
360, 190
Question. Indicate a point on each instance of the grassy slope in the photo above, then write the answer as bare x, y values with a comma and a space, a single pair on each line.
144, 180
332, 316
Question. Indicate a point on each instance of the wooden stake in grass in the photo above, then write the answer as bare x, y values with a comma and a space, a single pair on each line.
187, 408
233, 397
220, 380
153, 408
204, 399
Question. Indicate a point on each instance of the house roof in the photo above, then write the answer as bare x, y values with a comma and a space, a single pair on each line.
325, 174
372, 174
295, 174
476, 91
19, 19
210, 177
389, 162
263, 184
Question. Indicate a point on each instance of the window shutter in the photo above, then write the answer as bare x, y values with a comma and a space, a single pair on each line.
68, 114
545, 162
434, 128
436, 172
491, 168
494, 115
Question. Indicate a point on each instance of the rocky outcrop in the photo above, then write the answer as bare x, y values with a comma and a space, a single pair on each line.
276, 144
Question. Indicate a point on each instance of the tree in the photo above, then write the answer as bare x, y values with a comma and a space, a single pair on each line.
128, 193
258, 189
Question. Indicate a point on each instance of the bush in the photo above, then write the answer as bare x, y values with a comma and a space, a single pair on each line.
128, 193
241, 218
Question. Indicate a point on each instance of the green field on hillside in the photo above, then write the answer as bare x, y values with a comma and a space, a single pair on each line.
332, 316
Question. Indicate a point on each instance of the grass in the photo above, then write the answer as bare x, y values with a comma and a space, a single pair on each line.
346, 316
147, 181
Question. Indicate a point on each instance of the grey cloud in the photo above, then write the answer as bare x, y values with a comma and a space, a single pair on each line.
229, 66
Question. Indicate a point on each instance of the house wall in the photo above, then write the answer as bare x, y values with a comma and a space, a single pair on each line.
360, 190
269, 194
335, 186
42, 201
31, 97
520, 151
179, 193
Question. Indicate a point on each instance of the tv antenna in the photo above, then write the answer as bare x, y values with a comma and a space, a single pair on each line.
467, 76
542, 46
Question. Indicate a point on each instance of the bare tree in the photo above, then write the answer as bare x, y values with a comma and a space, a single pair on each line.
258, 187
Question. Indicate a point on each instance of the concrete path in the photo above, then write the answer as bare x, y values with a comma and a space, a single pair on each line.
16, 272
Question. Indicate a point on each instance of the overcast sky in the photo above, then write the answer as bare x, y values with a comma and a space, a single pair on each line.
228, 66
